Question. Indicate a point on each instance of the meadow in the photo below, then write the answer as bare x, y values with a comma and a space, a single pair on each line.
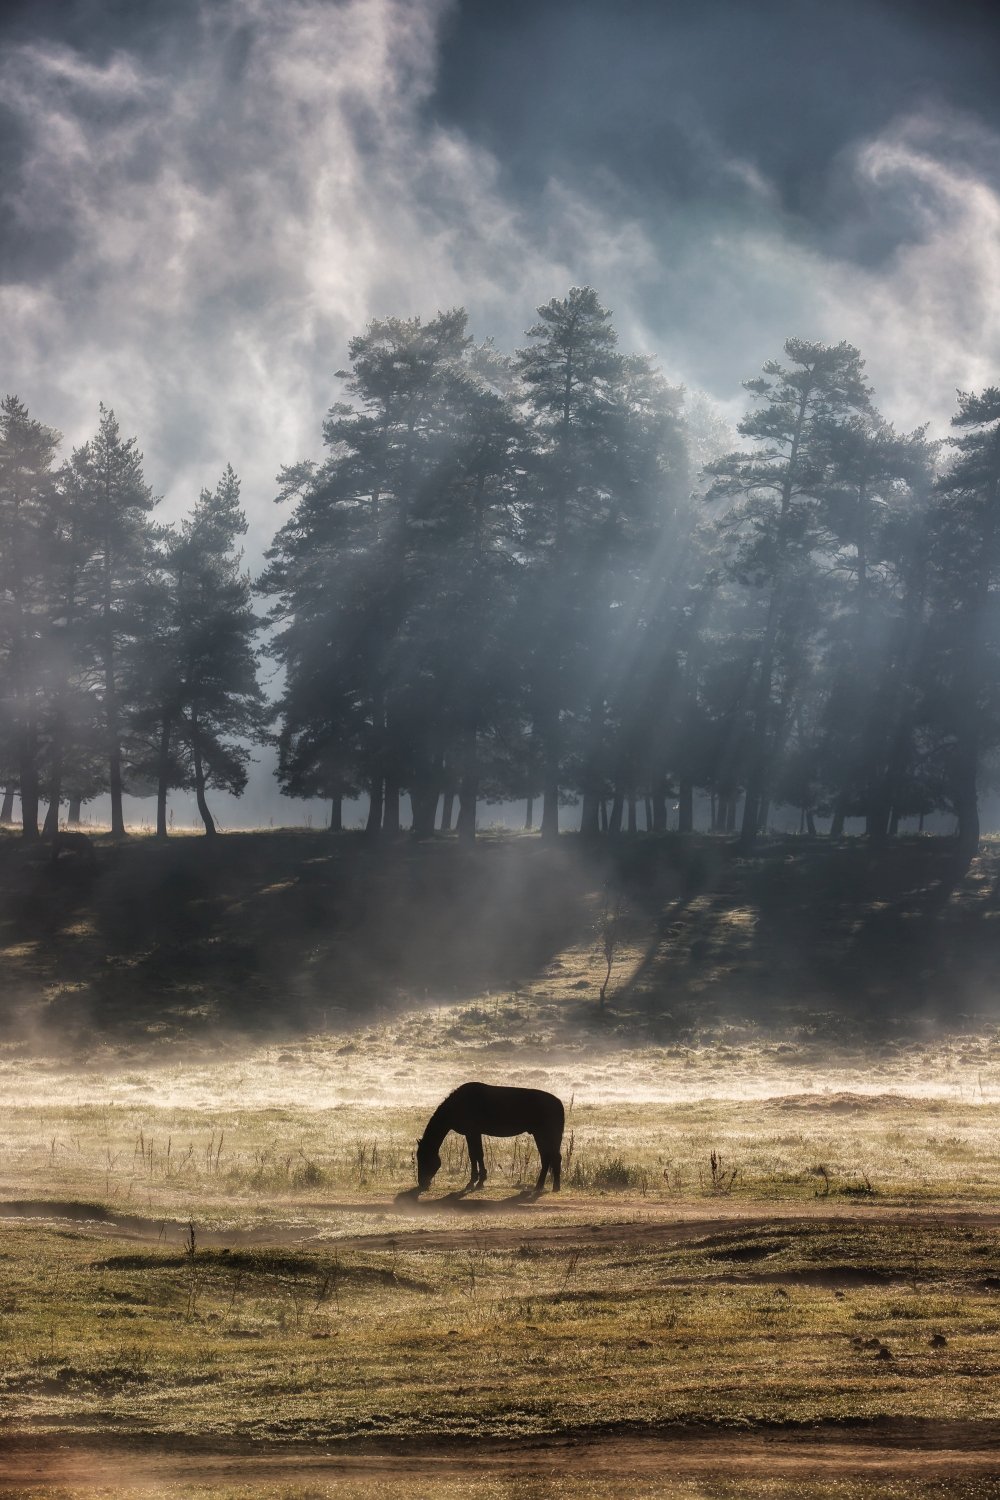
773, 1270
770, 1258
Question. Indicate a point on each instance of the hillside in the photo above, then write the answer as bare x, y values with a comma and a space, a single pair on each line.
280, 931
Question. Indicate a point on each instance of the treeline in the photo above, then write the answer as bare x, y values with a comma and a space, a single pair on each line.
518, 578
126, 648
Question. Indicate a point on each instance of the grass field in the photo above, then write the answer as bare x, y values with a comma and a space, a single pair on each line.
767, 1253
774, 1269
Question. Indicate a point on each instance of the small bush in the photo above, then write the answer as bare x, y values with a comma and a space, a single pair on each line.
613, 1174
310, 1175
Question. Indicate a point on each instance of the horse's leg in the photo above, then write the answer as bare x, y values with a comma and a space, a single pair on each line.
555, 1162
543, 1152
477, 1168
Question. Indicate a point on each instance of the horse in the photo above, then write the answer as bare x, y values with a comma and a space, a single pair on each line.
478, 1109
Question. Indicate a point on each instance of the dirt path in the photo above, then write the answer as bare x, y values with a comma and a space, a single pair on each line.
447, 1224
930, 1449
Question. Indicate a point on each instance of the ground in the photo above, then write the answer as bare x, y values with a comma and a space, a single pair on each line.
774, 1268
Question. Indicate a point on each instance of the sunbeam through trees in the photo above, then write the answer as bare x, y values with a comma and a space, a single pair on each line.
508, 578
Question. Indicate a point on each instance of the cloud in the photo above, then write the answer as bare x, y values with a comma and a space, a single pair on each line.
222, 227
203, 226
929, 317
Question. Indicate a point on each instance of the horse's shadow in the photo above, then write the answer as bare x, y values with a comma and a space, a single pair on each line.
463, 1201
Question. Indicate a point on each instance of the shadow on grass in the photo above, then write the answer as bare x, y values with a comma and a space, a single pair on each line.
263, 933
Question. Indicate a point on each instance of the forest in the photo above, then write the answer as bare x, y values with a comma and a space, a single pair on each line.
546, 576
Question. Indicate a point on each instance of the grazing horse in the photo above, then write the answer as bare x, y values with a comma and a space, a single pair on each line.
478, 1109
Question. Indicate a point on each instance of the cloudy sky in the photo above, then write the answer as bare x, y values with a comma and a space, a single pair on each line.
204, 199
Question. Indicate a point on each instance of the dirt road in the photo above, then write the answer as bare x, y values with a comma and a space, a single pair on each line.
498, 1223
904, 1449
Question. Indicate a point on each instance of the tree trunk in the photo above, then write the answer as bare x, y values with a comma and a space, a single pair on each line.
604, 815
390, 814
448, 810
877, 820
713, 811
550, 802
115, 788
810, 823
336, 813
469, 789
466, 825
656, 811
29, 784
529, 813
115, 752
966, 804
73, 816
837, 821
547, 731
617, 808
162, 779
648, 809
7, 810
731, 815
752, 803
375, 793
199, 788
894, 823
590, 814
685, 806
633, 825
51, 825
423, 804
763, 815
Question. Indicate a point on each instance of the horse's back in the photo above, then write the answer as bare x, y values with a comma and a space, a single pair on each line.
496, 1109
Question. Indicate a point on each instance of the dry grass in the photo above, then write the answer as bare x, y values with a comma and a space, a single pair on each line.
776, 1324
288, 1127
505, 1331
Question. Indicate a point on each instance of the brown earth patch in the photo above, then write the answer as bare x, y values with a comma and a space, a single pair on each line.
902, 1447
645, 1223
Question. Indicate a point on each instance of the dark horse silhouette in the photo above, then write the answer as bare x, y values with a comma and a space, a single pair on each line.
478, 1109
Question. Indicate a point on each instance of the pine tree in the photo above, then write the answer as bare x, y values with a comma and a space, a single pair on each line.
74, 762
636, 569
570, 372
873, 511
966, 564
394, 546
117, 502
27, 486
212, 675
773, 527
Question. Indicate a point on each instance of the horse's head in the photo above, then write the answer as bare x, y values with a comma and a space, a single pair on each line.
428, 1164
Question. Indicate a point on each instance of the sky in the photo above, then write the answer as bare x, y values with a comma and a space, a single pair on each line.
202, 201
